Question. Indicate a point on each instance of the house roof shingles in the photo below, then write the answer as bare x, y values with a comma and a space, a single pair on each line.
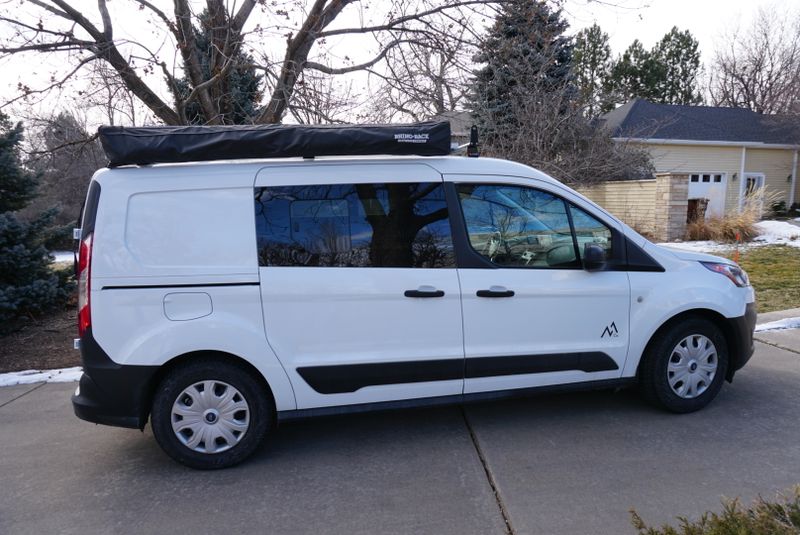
641, 119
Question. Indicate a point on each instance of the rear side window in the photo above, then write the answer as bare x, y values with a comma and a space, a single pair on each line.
354, 225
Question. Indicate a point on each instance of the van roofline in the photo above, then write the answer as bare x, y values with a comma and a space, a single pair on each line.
442, 164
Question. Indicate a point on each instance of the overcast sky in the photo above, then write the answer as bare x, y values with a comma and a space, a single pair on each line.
710, 21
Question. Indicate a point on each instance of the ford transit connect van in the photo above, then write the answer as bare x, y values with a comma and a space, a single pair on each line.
219, 298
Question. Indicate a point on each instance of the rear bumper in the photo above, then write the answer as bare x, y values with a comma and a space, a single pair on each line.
741, 331
111, 393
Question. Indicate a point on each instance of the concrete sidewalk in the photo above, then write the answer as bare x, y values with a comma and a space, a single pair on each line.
788, 339
556, 464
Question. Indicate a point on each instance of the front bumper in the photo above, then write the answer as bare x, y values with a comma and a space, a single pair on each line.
741, 332
111, 393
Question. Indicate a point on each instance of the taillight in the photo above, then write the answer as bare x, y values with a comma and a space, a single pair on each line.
84, 272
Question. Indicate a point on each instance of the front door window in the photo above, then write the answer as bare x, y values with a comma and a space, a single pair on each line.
518, 227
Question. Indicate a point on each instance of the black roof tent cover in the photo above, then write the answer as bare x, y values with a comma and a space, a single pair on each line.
170, 144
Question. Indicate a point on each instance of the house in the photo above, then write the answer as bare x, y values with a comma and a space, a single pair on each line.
460, 123
727, 152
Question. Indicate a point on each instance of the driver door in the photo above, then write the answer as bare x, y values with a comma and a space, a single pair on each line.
532, 315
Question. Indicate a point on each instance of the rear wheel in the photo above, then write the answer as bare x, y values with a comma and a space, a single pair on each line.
210, 414
683, 368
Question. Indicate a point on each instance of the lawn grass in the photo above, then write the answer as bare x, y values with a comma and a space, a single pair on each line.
774, 272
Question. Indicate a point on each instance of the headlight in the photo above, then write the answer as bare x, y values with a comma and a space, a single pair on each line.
736, 274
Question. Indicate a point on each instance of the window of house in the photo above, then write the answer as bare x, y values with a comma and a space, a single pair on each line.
354, 225
708, 177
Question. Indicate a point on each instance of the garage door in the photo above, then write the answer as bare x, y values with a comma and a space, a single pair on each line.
709, 186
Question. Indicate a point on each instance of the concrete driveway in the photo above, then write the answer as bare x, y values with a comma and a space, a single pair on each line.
556, 464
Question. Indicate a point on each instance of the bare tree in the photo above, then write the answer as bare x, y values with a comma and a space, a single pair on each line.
529, 109
106, 92
65, 156
152, 70
759, 68
421, 80
553, 134
322, 99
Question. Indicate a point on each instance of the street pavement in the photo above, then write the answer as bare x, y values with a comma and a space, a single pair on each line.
556, 464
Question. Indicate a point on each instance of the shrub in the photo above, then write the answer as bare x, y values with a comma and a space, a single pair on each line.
28, 284
781, 517
734, 225
724, 229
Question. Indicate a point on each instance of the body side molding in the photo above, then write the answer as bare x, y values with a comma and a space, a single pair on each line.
345, 378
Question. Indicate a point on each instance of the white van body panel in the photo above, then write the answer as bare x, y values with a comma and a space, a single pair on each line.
328, 316
205, 235
175, 223
552, 312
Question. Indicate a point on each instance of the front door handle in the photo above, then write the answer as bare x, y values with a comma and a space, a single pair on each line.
424, 291
495, 291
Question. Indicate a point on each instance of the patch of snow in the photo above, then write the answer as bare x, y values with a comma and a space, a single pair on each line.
770, 233
700, 246
67, 256
27, 377
775, 232
779, 325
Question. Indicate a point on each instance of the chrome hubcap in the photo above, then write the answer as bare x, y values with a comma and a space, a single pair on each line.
692, 366
210, 417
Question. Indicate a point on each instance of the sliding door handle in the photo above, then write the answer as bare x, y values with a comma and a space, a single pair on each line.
495, 291
424, 291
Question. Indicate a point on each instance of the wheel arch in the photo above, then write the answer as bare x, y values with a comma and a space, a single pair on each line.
221, 356
723, 323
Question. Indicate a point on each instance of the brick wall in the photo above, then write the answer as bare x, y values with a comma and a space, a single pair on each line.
656, 207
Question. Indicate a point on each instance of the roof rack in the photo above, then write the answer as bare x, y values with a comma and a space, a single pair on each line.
173, 144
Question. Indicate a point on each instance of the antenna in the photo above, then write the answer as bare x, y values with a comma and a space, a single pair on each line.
472, 149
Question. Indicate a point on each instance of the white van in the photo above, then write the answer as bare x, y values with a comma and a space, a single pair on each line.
217, 299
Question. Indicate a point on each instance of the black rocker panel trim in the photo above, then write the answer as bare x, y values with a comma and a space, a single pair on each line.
345, 378
437, 401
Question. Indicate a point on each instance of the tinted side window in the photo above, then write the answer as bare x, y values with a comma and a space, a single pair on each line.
354, 225
518, 227
590, 230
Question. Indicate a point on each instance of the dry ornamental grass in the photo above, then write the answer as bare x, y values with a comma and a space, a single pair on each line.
734, 226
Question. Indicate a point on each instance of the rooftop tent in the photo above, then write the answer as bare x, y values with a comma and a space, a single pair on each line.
171, 144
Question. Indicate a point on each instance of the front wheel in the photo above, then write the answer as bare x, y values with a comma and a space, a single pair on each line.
209, 414
683, 368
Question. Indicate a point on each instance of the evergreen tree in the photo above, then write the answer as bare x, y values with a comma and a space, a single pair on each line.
666, 74
525, 53
27, 284
678, 56
528, 108
17, 186
636, 74
591, 64
243, 83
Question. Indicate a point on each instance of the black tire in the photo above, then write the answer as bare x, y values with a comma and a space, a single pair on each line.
260, 409
653, 371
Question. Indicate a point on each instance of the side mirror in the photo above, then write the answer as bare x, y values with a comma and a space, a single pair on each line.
594, 257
